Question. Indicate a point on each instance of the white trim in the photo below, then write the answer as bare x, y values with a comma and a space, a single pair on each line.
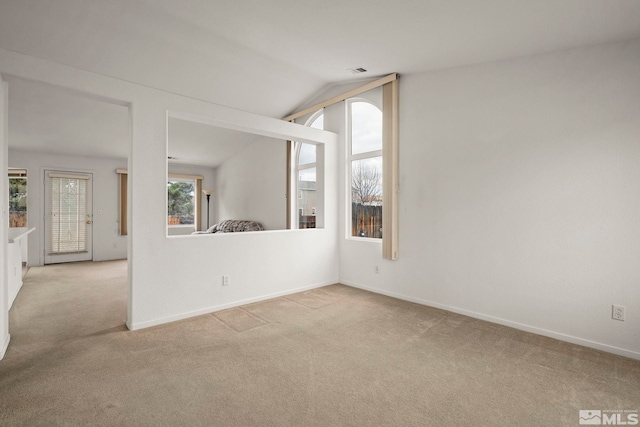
215, 308
365, 239
520, 326
4, 216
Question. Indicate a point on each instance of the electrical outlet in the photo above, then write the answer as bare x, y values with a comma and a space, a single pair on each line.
376, 269
617, 312
225, 281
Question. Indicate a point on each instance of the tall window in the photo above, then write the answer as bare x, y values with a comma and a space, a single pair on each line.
306, 177
372, 162
365, 167
17, 198
181, 202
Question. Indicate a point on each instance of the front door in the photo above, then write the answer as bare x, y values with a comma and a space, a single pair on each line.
68, 217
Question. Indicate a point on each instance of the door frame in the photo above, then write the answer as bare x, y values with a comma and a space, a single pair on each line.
4, 218
44, 239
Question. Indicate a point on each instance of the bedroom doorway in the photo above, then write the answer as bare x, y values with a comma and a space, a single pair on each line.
68, 219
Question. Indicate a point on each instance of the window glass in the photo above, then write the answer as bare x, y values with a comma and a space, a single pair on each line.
307, 154
68, 215
307, 198
366, 128
181, 202
318, 122
306, 174
17, 202
366, 197
365, 163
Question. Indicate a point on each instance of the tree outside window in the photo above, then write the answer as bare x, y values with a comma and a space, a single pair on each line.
181, 202
17, 202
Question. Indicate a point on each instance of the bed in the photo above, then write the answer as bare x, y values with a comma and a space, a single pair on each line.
232, 226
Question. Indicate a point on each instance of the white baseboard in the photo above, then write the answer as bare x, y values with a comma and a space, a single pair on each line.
147, 324
527, 328
4, 347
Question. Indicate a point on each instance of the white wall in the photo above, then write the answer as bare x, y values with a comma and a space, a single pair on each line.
208, 183
107, 244
519, 186
252, 184
181, 276
176, 277
519, 195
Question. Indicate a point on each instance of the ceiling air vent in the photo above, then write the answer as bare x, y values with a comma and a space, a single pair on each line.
357, 70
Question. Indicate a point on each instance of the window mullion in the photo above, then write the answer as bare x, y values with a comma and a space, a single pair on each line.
307, 166
367, 155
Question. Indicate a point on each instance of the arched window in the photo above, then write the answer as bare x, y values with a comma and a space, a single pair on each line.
306, 176
365, 168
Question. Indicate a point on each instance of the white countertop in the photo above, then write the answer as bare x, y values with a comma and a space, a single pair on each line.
18, 233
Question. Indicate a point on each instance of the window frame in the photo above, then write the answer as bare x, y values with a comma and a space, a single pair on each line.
298, 167
16, 173
350, 158
83, 213
197, 202
390, 147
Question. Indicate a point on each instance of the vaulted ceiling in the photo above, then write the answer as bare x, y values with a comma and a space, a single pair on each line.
270, 56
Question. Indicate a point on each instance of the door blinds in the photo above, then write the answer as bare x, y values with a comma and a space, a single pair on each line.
67, 213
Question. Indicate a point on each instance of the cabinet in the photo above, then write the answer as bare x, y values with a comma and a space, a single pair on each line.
17, 262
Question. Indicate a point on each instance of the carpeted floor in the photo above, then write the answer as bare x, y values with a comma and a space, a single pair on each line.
334, 356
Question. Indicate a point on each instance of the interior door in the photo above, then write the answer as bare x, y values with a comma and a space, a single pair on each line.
68, 219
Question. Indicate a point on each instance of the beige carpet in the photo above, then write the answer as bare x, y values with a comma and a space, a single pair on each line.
334, 356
